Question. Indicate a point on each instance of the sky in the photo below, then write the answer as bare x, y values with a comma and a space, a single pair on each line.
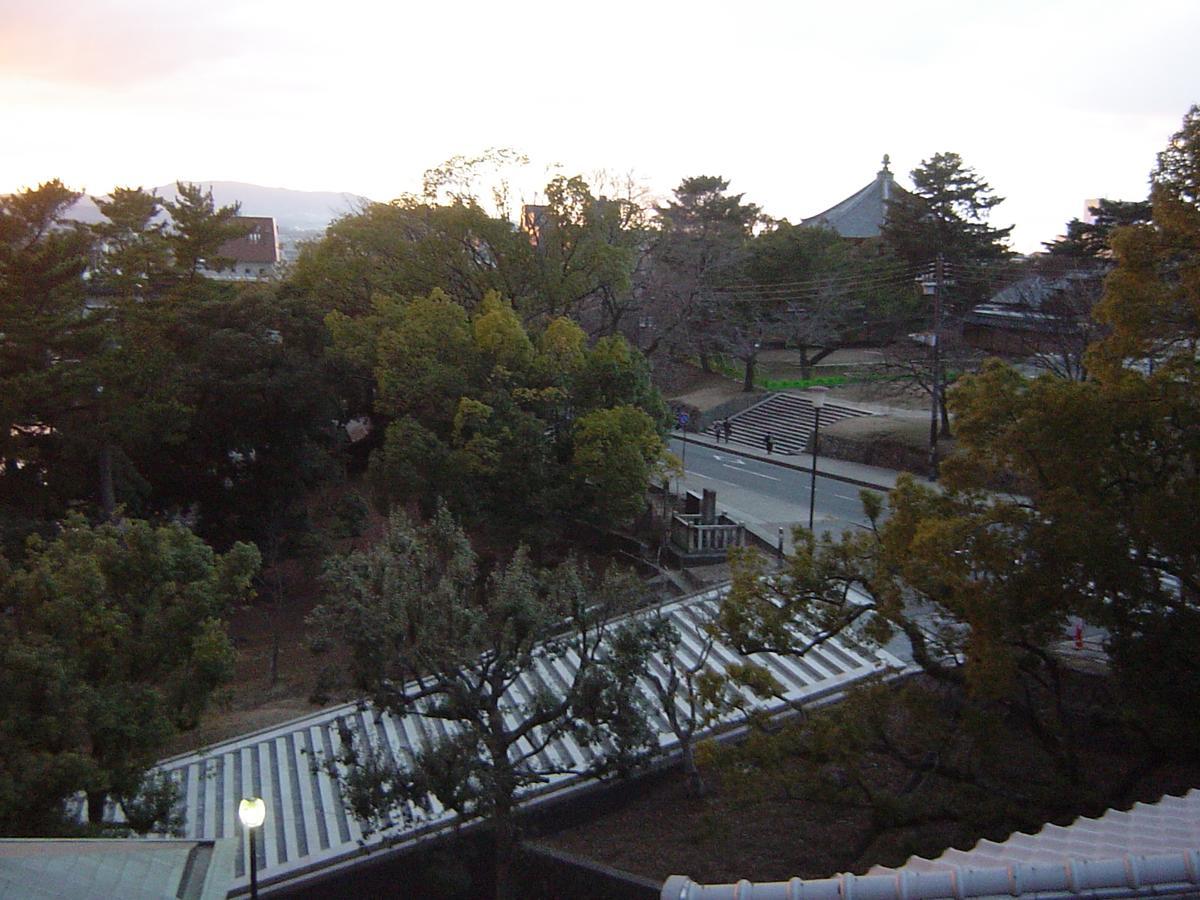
795, 102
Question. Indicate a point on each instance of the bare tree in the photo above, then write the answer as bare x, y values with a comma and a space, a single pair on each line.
690, 696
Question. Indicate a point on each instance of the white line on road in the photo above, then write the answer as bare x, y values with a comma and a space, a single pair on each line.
748, 472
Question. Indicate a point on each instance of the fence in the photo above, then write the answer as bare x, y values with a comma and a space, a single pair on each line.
691, 536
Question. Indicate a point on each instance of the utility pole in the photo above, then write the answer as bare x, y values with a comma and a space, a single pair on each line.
934, 406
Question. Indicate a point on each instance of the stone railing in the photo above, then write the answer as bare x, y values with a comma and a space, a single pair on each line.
690, 535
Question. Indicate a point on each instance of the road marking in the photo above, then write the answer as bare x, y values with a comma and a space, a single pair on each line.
698, 474
748, 472
844, 497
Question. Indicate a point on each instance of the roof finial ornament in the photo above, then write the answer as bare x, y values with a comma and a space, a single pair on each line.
886, 162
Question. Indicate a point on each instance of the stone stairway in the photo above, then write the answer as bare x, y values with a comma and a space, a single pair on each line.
790, 418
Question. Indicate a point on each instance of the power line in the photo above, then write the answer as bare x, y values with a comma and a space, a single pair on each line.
830, 291
820, 281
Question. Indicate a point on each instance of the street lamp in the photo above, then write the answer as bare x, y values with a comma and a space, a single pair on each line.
816, 396
252, 811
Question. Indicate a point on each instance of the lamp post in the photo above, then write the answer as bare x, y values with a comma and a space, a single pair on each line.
935, 287
816, 396
252, 811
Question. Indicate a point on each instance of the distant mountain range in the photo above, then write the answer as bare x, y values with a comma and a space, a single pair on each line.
300, 211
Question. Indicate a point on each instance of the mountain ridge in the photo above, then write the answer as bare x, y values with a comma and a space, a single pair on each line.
293, 210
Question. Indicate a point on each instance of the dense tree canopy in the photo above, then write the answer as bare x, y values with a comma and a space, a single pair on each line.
1152, 300
131, 379
1088, 242
573, 255
513, 430
986, 587
113, 639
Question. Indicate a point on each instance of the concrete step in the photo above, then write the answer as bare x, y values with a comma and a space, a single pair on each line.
790, 420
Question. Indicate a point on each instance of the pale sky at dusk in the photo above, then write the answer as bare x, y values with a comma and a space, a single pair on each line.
1053, 101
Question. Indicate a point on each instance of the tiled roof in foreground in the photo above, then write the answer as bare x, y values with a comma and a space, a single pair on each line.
1151, 850
135, 869
309, 831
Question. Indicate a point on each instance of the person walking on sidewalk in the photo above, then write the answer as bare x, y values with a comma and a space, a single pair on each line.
728, 431
717, 431
768, 442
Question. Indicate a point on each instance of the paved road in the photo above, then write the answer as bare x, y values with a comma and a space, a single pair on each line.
767, 496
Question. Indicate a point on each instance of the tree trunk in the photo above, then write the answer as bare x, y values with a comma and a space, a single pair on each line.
504, 830
695, 781
95, 806
108, 497
748, 383
945, 433
705, 363
805, 366
277, 611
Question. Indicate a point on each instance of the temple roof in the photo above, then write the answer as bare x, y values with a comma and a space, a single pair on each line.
862, 214
1146, 851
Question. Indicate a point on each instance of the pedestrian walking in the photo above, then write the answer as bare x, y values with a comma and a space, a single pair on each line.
768, 442
728, 431
717, 431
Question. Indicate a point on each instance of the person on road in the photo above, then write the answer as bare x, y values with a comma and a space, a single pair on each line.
768, 442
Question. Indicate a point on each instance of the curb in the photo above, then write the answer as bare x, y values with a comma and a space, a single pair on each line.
780, 461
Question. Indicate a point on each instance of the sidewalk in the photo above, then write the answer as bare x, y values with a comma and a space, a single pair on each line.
837, 469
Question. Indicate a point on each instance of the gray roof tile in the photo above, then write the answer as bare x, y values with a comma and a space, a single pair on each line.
862, 214
1149, 850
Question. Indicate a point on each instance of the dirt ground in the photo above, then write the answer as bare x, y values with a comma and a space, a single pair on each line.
252, 701
724, 836
702, 390
707, 390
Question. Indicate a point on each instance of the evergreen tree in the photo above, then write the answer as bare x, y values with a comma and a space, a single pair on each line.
199, 228
1088, 242
947, 213
429, 635
701, 248
123, 628
46, 334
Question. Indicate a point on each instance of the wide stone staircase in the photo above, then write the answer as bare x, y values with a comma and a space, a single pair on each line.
790, 418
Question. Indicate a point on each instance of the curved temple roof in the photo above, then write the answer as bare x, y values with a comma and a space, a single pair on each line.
862, 214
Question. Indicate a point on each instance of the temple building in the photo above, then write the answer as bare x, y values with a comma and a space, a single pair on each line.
861, 215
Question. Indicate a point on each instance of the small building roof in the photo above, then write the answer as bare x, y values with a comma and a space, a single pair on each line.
132, 869
260, 243
1029, 305
862, 214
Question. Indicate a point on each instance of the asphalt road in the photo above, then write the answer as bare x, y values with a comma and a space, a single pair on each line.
769, 496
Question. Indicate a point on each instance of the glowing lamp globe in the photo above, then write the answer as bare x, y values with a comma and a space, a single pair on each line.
252, 812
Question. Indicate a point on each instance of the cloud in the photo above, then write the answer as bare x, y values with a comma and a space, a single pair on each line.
108, 43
